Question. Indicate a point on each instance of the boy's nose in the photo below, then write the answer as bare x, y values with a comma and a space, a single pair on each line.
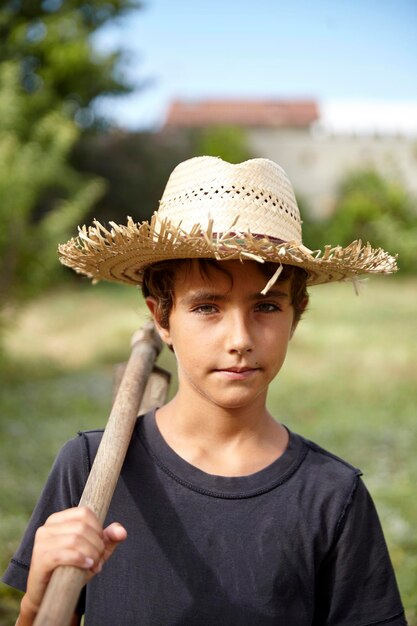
239, 338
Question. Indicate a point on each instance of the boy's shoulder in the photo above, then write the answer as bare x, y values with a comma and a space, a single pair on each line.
330, 486
327, 458
324, 468
90, 441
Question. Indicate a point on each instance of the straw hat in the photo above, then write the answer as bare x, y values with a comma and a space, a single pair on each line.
214, 209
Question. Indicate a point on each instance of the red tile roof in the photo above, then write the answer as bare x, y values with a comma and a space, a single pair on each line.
270, 113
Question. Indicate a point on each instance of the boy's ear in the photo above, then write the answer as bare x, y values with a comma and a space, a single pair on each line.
164, 333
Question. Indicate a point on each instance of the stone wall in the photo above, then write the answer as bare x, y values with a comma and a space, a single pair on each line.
316, 162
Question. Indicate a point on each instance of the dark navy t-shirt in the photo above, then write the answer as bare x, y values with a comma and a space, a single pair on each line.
296, 544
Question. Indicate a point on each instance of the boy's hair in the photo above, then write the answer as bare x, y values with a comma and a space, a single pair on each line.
159, 280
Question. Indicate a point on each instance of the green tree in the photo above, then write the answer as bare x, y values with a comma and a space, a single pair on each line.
51, 42
49, 78
42, 197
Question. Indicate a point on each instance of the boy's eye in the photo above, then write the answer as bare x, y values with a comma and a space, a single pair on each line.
205, 309
267, 307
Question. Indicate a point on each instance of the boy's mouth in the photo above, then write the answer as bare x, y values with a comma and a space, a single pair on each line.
238, 369
238, 373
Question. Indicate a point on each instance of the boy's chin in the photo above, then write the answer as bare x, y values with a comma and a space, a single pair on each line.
237, 402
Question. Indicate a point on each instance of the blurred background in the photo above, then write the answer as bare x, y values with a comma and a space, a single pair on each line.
99, 100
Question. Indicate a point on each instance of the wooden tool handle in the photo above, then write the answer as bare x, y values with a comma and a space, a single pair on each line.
66, 582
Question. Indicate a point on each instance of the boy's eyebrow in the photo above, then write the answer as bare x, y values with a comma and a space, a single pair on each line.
200, 295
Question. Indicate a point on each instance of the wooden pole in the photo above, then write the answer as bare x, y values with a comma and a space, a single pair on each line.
61, 596
156, 390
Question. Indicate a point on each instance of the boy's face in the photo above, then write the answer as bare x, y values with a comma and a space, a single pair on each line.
230, 341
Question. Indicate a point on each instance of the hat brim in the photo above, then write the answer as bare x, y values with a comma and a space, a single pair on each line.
122, 253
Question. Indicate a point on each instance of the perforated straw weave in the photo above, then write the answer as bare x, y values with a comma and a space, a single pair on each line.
214, 209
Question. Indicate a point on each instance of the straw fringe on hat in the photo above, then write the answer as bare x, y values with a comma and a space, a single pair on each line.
214, 209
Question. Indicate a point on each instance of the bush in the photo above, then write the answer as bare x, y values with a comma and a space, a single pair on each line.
370, 208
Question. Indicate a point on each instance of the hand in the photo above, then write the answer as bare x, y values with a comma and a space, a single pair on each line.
70, 537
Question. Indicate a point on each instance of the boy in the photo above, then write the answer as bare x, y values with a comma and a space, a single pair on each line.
221, 516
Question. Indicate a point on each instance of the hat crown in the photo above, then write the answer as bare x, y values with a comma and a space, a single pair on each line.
255, 196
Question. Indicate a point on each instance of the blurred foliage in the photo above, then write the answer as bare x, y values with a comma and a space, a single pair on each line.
136, 166
42, 197
49, 75
50, 41
227, 142
371, 208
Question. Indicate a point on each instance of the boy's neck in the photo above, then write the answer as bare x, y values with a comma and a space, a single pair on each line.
228, 442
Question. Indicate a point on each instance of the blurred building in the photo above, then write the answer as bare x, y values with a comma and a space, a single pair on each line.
316, 153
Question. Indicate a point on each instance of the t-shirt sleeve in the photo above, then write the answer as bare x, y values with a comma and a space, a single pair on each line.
62, 490
356, 582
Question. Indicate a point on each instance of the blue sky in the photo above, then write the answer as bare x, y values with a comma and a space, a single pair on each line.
339, 50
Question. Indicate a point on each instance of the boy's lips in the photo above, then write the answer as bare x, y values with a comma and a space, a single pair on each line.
238, 369
237, 373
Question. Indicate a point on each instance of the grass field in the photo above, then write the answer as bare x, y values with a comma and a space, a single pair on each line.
349, 383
